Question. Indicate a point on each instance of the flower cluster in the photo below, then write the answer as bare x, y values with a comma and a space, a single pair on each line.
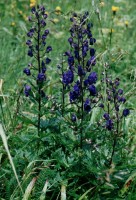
115, 99
80, 61
109, 122
37, 49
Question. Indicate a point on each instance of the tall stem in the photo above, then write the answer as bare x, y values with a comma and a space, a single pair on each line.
107, 85
39, 69
117, 131
99, 19
111, 31
82, 101
82, 95
82, 109
63, 92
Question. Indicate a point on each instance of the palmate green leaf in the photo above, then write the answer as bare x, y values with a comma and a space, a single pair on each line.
61, 158
46, 175
27, 120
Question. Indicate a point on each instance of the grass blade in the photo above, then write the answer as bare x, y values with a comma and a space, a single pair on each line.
63, 192
42, 197
4, 140
29, 189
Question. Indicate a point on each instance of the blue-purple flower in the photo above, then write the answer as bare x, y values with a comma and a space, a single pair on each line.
120, 91
109, 124
48, 49
29, 42
92, 52
70, 61
48, 60
27, 90
41, 77
91, 61
106, 116
43, 23
46, 32
68, 77
75, 94
92, 78
70, 40
92, 41
81, 71
43, 70
126, 112
92, 90
73, 118
27, 71
87, 106
121, 99
31, 32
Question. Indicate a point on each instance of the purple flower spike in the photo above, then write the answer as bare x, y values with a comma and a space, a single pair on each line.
27, 90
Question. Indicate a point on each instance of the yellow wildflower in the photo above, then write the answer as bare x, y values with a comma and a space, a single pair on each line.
58, 35
13, 24
32, 3
20, 12
102, 4
114, 9
55, 20
58, 10
47, 13
112, 30
126, 23
25, 17
13, 5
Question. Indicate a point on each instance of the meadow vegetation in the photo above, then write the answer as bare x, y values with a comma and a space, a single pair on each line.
67, 100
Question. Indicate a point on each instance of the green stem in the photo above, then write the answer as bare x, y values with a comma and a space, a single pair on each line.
39, 86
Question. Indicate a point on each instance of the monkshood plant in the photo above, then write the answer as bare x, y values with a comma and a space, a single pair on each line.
112, 105
79, 92
38, 51
75, 157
